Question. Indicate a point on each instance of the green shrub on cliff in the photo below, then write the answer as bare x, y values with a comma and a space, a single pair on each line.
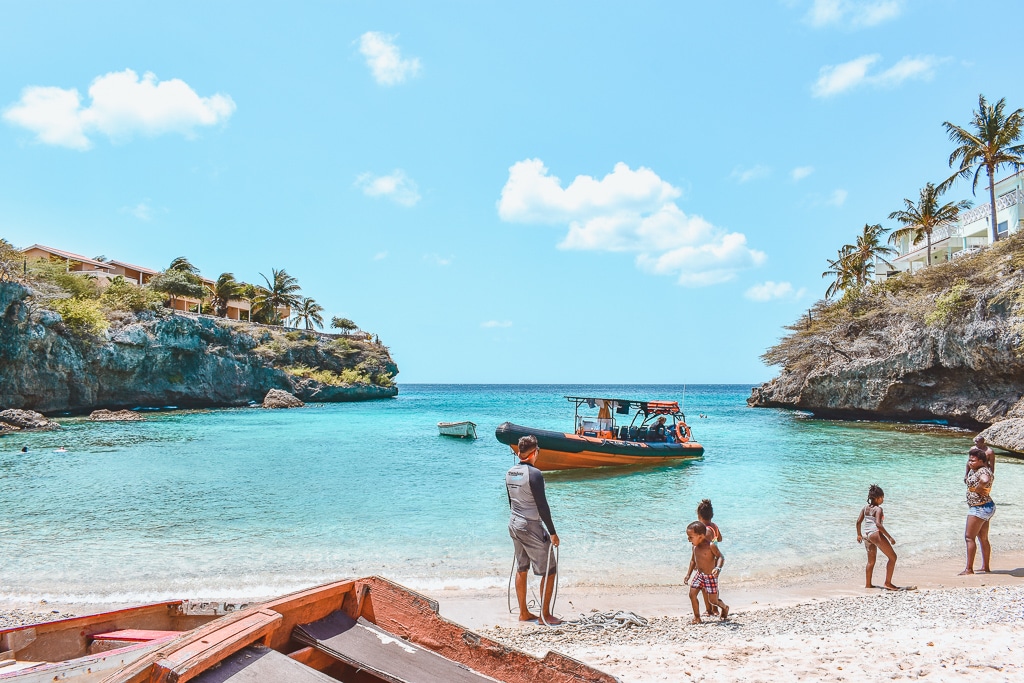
949, 304
76, 284
83, 317
10, 261
121, 295
346, 376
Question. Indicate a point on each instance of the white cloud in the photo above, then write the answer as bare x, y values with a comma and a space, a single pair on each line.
142, 211
122, 106
837, 198
769, 290
439, 260
397, 186
385, 59
833, 80
380, 256
745, 175
496, 323
853, 13
627, 211
801, 172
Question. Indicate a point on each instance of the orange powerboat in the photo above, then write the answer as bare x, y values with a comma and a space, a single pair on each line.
602, 442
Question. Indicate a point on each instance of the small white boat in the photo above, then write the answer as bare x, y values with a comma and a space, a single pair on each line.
463, 430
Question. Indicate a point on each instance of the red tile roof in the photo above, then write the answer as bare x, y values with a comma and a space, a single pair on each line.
68, 255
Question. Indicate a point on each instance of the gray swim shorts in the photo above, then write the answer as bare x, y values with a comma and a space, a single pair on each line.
532, 544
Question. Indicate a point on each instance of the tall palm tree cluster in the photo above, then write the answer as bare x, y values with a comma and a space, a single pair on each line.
269, 303
989, 142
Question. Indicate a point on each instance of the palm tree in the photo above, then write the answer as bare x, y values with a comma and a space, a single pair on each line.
920, 220
868, 249
309, 313
844, 269
224, 290
992, 142
282, 291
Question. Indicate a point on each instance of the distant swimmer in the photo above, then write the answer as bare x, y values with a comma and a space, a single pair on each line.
61, 450
24, 449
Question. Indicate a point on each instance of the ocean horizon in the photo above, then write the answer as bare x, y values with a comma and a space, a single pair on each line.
244, 503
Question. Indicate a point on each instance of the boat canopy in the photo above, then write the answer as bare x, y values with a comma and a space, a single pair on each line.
624, 406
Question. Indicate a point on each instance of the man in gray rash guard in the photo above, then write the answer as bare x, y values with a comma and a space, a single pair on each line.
525, 486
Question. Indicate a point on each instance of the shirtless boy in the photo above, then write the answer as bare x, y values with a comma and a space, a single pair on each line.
707, 560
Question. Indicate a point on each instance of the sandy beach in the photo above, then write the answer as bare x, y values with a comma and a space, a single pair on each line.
948, 628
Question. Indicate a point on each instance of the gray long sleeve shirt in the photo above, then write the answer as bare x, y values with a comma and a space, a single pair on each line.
525, 486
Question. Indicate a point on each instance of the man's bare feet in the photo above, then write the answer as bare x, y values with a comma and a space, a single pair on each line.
890, 587
985, 570
550, 620
871, 585
966, 572
695, 620
526, 616
725, 611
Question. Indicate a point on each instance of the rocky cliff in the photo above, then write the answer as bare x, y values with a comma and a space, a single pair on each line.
164, 359
942, 344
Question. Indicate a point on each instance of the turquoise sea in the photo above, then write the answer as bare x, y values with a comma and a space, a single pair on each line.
249, 502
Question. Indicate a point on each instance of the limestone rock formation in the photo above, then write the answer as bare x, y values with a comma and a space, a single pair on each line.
104, 415
944, 344
26, 419
1006, 434
276, 398
157, 360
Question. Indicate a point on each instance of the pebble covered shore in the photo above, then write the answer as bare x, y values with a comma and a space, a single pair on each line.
940, 634
19, 617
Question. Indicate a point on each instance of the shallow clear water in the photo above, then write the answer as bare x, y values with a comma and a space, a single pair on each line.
250, 502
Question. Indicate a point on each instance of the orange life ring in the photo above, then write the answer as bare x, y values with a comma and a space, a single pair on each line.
682, 432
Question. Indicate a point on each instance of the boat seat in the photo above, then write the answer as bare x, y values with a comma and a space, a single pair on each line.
623, 432
115, 640
258, 664
369, 648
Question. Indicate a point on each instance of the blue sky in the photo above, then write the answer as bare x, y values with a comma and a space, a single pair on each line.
504, 192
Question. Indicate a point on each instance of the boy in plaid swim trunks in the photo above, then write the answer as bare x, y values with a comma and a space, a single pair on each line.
707, 560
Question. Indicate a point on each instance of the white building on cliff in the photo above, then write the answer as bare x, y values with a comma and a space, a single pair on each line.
970, 233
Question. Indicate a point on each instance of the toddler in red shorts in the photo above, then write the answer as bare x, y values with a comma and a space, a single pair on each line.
706, 564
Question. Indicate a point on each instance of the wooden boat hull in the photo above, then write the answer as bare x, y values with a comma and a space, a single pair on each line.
561, 451
406, 628
85, 649
463, 430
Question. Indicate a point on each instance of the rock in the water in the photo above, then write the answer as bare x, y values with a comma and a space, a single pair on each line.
27, 419
281, 399
1006, 434
115, 416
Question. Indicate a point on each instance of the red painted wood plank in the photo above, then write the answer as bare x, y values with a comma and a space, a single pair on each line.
138, 635
193, 658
